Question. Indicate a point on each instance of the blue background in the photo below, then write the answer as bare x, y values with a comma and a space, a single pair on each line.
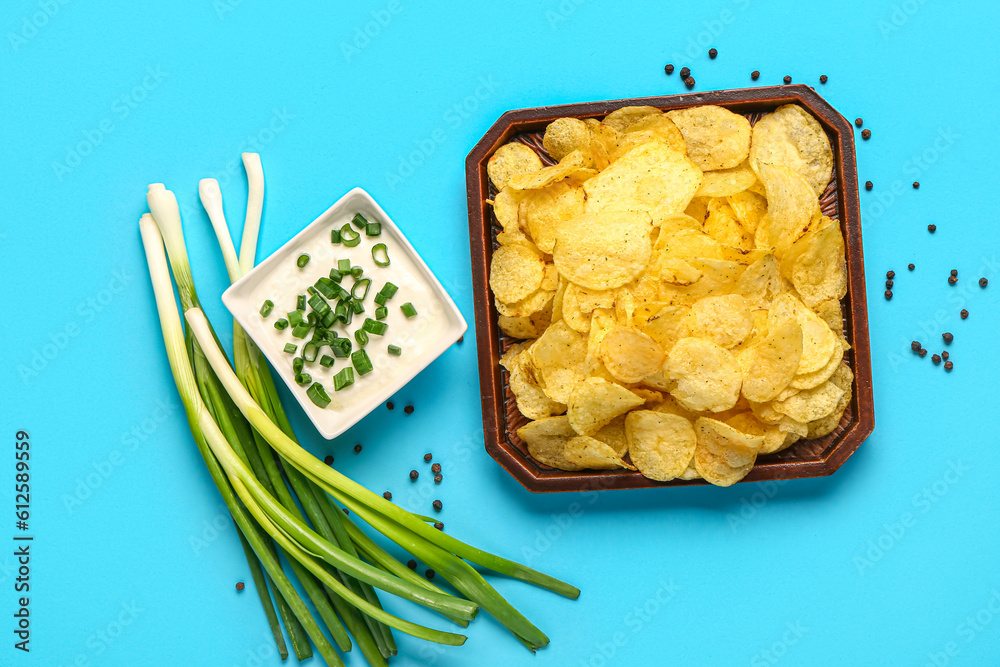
889, 561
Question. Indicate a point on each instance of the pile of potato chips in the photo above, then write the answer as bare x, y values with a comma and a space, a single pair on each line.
677, 289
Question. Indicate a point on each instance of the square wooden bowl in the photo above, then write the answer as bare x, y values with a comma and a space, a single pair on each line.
501, 418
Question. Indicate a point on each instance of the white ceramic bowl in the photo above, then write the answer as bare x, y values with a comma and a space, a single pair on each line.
423, 338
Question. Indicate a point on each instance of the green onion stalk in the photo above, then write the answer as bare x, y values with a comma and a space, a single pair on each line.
265, 476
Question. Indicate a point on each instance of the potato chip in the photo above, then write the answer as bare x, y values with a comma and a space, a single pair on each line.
773, 362
727, 182
565, 135
630, 355
831, 312
818, 342
545, 208
792, 207
515, 272
748, 207
613, 435
762, 282
589, 299
723, 226
707, 375
560, 355
621, 119
774, 438
574, 163
588, 452
652, 177
717, 445
506, 206
697, 209
603, 250
649, 129
531, 400
724, 320
667, 326
676, 222
816, 378
716, 138
718, 276
816, 264
791, 137
546, 440
574, 317
660, 444
530, 326
509, 161
811, 404
687, 244
595, 402
826, 425
603, 145
537, 301
602, 320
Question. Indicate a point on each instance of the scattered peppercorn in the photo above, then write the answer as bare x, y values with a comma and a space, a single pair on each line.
689, 82
945, 355
859, 122
915, 346
461, 339
948, 337
389, 405
328, 460
787, 79
911, 266
888, 284
916, 185
428, 456
429, 574
888, 294
922, 352
983, 282
439, 525
669, 69
414, 474
964, 313
712, 53
408, 409
936, 358
952, 280
948, 365
932, 228
954, 272
387, 495
436, 468
437, 479
869, 185
866, 134
755, 75
890, 274
357, 449
822, 78
412, 564
685, 72
346, 511
437, 505
240, 585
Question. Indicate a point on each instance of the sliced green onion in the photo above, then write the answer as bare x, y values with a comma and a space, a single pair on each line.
357, 306
303, 378
335, 236
326, 287
380, 248
373, 228
366, 283
318, 395
295, 317
329, 319
311, 291
336, 276
281, 324
349, 237
380, 299
357, 272
389, 290
344, 265
342, 379
374, 327
318, 304
297, 364
291, 347
326, 361
302, 260
266, 309
361, 336
312, 318
310, 351
301, 302
341, 347
341, 311
395, 351
362, 364
381, 313
359, 221
408, 309
301, 330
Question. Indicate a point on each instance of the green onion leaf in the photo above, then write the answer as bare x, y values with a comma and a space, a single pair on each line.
266, 309
335, 236
344, 265
291, 347
357, 272
389, 290
336, 276
310, 351
326, 361
381, 313
361, 336
302, 378
380, 249
343, 379
380, 299
362, 364
395, 351
365, 283
302, 260
357, 306
281, 324
312, 319
373, 228
301, 330
349, 237
408, 309
374, 327
297, 364
359, 221
295, 317
318, 395
341, 347
301, 302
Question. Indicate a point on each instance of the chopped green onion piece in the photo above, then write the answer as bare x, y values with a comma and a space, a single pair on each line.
381, 313
291, 347
373, 228
377, 248
344, 265
302, 260
357, 272
266, 309
341, 347
357, 306
318, 395
366, 283
329, 319
312, 319
362, 364
335, 236
301, 330
408, 309
281, 324
361, 336
319, 304
336, 276
395, 351
342, 379
380, 299
349, 237
310, 351
311, 291
341, 311
374, 327
359, 221
297, 364
301, 302
389, 290
303, 378
326, 361
295, 317
326, 287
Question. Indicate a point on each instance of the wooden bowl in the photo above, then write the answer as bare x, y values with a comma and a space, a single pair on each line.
501, 418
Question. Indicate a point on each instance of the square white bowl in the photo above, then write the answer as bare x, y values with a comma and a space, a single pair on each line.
423, 338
